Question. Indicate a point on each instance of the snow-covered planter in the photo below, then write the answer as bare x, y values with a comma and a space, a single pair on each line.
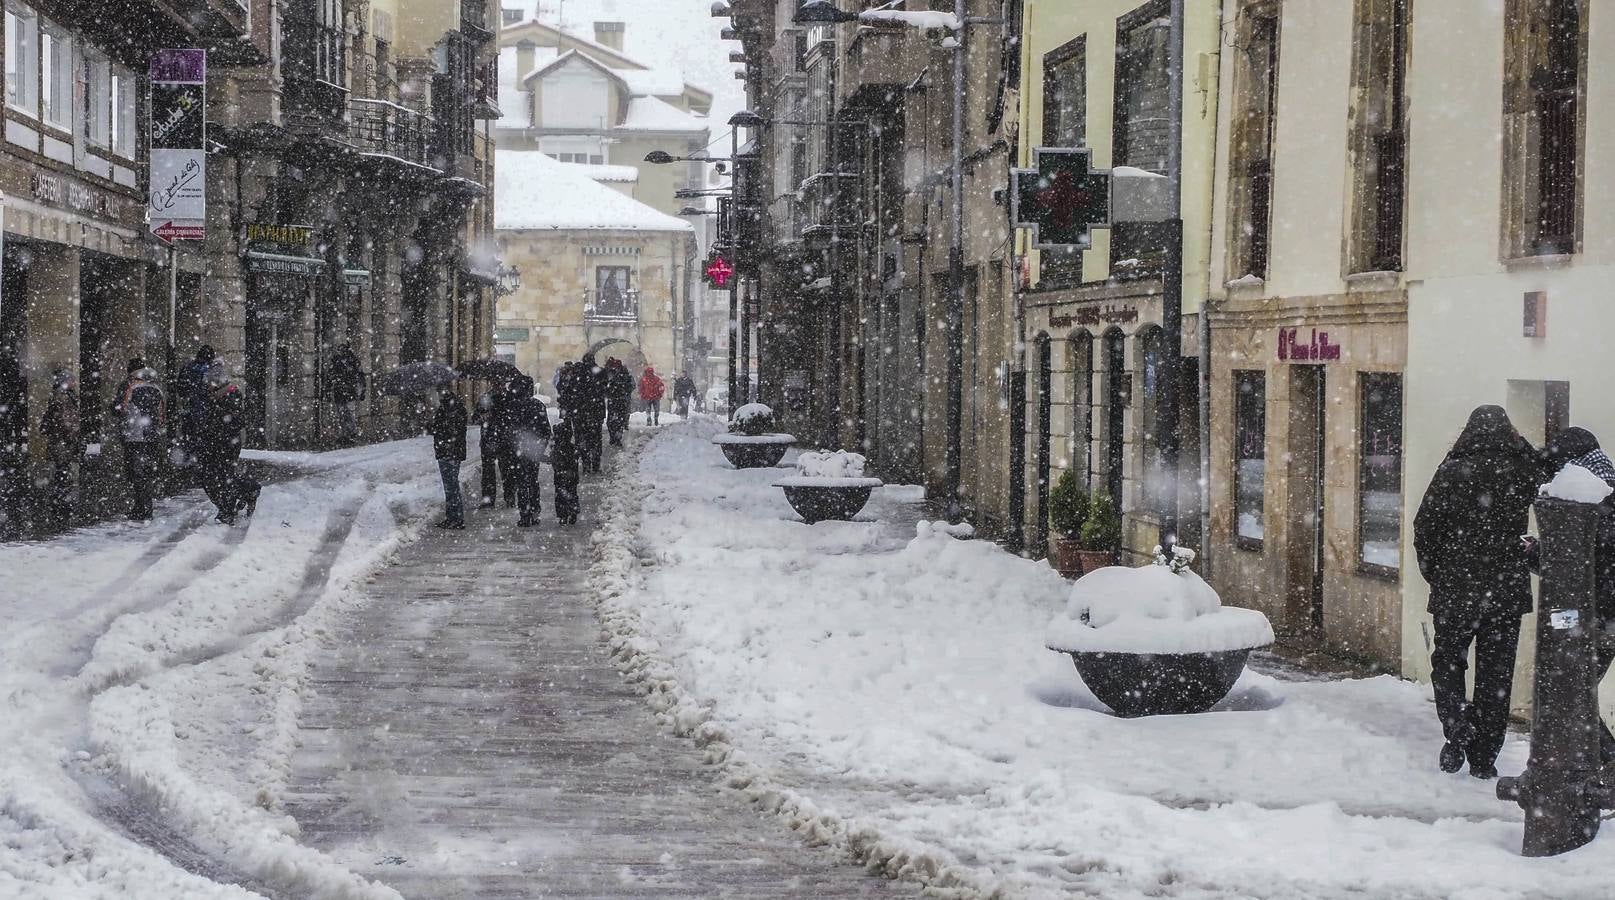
751, 442
828, 486
1156, 640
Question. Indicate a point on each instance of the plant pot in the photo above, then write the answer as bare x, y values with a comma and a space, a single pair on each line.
1094, 559
762, 451
818, 500
1155, 684
1066, 557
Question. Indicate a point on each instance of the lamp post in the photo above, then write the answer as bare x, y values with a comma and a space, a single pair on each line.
1172, 281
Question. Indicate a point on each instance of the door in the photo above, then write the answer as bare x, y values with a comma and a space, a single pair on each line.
1117, 389
1305, 505
1045, 435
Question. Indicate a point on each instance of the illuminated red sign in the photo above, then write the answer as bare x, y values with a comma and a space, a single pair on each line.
719, 271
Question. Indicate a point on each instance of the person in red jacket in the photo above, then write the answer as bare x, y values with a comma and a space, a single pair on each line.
651, 389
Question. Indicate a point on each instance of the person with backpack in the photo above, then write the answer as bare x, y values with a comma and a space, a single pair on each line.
684, 393
651, 390
527, 433
448, 446
63, 431
347, 389
140, 414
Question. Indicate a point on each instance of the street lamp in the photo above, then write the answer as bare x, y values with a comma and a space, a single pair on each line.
696, 211
508, 281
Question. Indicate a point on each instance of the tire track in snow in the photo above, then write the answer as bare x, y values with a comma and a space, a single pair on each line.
154, 554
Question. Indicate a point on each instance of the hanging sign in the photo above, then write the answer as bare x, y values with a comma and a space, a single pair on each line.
718, 271
1061, 198
177, 204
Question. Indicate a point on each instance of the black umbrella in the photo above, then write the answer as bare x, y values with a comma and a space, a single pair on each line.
491, 369
418, 378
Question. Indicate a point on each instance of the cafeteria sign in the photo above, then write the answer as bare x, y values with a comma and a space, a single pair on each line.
177, 204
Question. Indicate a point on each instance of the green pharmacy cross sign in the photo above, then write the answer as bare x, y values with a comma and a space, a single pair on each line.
1062, 197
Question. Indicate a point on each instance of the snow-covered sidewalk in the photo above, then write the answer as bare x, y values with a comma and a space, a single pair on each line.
150, 678
893, 694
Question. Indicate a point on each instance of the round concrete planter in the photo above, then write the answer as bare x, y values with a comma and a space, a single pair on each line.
827, 499
1156, 684
754, 451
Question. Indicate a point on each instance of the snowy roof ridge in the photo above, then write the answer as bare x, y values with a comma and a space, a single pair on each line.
568, 56
619, 59
655, 114
532, 191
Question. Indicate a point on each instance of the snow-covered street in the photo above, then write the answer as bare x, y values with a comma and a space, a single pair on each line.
891, 693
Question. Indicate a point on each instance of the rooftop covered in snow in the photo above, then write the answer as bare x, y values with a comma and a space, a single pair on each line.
533, 191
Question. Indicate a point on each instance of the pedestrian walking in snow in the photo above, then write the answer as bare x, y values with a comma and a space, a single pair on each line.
1578, 447
218, 446
1467, 540
448, 446
140, 414
651, 391
584, 390
13, 442
619, 399
529, 436
497, 463
684, 393
191, 390
564, 462
347, 389
63, 432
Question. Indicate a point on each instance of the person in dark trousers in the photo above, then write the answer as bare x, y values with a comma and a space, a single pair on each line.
140, 414
564, 460
190, 396
1578, 447
619, 399
63, 431
13, 442
651, 391
1467, 539
218, 447
684, 393
347, 389
583, 392
497, 464
527, 426
448, 445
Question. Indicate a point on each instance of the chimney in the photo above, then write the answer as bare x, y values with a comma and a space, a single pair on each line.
610, 34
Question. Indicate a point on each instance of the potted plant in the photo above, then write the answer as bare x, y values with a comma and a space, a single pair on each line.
1156, 640
828, 486
751, 442
1101, 534
1068, 511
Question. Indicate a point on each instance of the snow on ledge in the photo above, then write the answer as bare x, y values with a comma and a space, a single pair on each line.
1578, 485
827, 481
754, 439
1152, 610
831, 464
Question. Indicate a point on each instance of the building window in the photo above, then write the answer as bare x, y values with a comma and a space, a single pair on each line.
1379, 472
384, 70
1544, 61
1255, 116
1065, 124
1082, 406
123, 112
1379, 135
97, 100
1250, 457
510, 16
1152, 370
1140, 131
56, 71
329, 47
22, 60
613, 292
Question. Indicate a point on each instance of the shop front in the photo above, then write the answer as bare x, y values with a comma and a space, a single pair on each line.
283, 278
1306, 466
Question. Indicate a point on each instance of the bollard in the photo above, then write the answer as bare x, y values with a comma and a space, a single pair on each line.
1559, 789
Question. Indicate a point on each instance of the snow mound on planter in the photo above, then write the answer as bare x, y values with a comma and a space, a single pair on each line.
1577, 484
830, 464
1152, 610
752, 411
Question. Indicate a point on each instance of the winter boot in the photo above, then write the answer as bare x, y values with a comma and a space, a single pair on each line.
1452, 757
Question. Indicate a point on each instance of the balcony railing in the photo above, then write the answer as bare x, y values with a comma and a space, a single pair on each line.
383, 128
474, 19
615, 308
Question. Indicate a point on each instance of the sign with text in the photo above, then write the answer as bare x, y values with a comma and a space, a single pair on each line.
1316, 348
718, 271
273, 237
177, 206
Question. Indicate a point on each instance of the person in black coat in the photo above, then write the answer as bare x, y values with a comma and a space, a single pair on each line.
448, 446
1467, 536
497, 464
527, 429
217, 443
347, 388
1578, 447
619, 384
564, 460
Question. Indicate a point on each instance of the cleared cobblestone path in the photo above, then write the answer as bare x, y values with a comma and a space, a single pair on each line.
470, 739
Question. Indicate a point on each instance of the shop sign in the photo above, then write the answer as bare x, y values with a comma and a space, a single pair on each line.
1110, 314
511, 335
62, 191
276, 264
276, 238
1062, 198
1316, 348
177, 204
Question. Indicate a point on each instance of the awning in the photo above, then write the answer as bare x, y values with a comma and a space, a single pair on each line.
282, 264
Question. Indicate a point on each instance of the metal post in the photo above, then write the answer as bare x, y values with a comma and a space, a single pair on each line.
745, 340
171, 360
1558, 790
1172, 282
734, 282
954, 320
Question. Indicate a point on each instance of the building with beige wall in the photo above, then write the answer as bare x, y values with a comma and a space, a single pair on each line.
597, 268
1497, 228
1095, 75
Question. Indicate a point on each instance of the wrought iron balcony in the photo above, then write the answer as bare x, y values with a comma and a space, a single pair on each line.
386, 130
474, 20
614, 308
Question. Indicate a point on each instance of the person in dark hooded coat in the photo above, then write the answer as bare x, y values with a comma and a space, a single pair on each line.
591, 387
564, 460
619, 398
497, 466
1467, 536
526, 429
1578, 447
